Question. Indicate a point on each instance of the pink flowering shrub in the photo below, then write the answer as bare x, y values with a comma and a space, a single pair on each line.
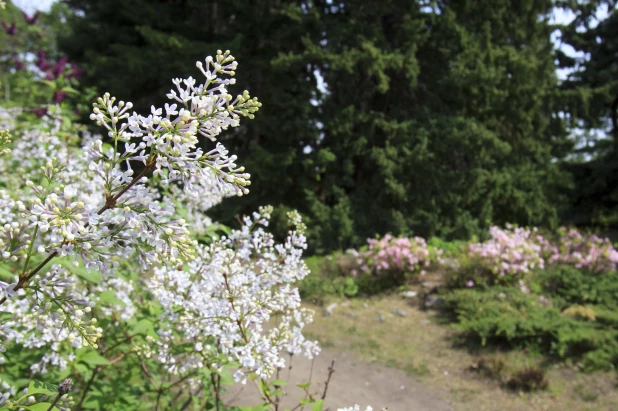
581, 251
390, 253
513, 252
389, 261
509, 253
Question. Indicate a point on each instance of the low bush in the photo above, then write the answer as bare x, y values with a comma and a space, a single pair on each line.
507, 317
583, 251
567, 285
508, 255
439, 248
326, 279
528, 379
390, 261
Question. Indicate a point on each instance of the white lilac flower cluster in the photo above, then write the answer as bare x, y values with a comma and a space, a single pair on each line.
112, 207
236, 300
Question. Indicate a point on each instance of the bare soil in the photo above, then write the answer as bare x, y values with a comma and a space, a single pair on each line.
353, 382
389, 353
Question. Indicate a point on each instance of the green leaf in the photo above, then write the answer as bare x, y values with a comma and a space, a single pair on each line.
41, 406
109, 297
261, 407
280, 383
142, 327
6, 316
304, 386
40, 387
318, 406
264, 387
92, 403
92, 276
6, 273
94, 358
49, 83
226, 377
70, 90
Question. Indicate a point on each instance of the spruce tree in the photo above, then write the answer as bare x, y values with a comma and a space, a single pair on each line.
591, 97
437, 119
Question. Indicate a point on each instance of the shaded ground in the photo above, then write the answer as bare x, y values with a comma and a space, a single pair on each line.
354, 382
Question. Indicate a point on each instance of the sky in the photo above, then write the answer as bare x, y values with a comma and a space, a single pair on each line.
29, 6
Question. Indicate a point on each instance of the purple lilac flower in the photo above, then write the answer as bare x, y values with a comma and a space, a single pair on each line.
10, 30
31, 20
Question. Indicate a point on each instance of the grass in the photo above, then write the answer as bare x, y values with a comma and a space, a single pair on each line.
420, 344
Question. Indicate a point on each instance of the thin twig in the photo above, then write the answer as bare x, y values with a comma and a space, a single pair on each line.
147, 373
310, 378
331, 371
159, 393
278, 396
120, 357
213, 380
188, 402
88, 385
51, 407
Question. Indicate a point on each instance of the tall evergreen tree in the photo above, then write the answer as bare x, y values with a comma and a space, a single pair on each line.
437, 118
591, 94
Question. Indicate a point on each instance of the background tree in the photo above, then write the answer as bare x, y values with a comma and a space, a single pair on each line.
438, 119
591, 97
435, 117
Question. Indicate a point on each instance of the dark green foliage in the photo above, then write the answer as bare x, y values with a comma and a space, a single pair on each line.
568, 286
528, 378
509, 318
326, 280
458, 271
590, 94
333, 275
439, 121
503, 315
435, 119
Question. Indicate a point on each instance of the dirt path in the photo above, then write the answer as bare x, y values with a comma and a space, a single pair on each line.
354, 382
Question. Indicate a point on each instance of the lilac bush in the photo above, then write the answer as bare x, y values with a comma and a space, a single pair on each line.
103, 275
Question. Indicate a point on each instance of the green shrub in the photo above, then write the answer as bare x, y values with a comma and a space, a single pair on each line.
449, 249
326, 280
568, 286
507, 317
337, 275
467, 271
